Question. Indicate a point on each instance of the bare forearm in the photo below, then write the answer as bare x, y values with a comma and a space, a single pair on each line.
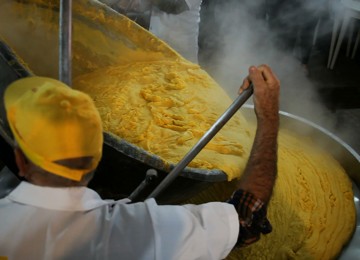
257, 182
260, 172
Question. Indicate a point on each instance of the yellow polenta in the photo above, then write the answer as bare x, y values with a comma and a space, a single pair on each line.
312, 209
165, 107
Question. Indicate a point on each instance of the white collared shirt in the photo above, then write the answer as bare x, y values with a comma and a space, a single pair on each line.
75, 223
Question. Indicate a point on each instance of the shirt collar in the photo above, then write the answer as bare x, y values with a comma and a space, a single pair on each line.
67, 199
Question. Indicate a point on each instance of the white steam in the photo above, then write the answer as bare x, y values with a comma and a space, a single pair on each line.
245, 40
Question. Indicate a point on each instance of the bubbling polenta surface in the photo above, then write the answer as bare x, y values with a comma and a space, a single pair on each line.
165, 107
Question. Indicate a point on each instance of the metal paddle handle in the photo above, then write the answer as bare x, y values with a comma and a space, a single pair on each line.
65, 40
223, 119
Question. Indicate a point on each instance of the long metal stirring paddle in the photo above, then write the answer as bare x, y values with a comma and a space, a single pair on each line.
65, 39
239, 101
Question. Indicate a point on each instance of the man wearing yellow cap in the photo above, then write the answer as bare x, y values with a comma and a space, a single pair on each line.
53, 215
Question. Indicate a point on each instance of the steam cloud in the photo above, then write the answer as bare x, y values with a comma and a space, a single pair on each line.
240, 39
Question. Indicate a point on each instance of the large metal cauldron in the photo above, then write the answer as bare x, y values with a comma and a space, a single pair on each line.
123, 165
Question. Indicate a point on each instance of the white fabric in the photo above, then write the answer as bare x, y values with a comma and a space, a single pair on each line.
75, 223
180, 31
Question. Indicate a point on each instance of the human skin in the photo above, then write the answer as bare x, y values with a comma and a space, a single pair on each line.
261, 169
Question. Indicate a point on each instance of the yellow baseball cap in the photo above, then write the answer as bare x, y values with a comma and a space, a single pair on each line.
52, 122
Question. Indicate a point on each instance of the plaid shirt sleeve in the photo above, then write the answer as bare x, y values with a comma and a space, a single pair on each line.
252, 217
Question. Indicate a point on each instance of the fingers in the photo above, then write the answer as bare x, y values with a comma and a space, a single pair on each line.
255, 75
258, 76
247, 81
245, 85
268, 76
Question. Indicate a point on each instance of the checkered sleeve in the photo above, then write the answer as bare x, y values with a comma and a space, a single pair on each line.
252, 217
